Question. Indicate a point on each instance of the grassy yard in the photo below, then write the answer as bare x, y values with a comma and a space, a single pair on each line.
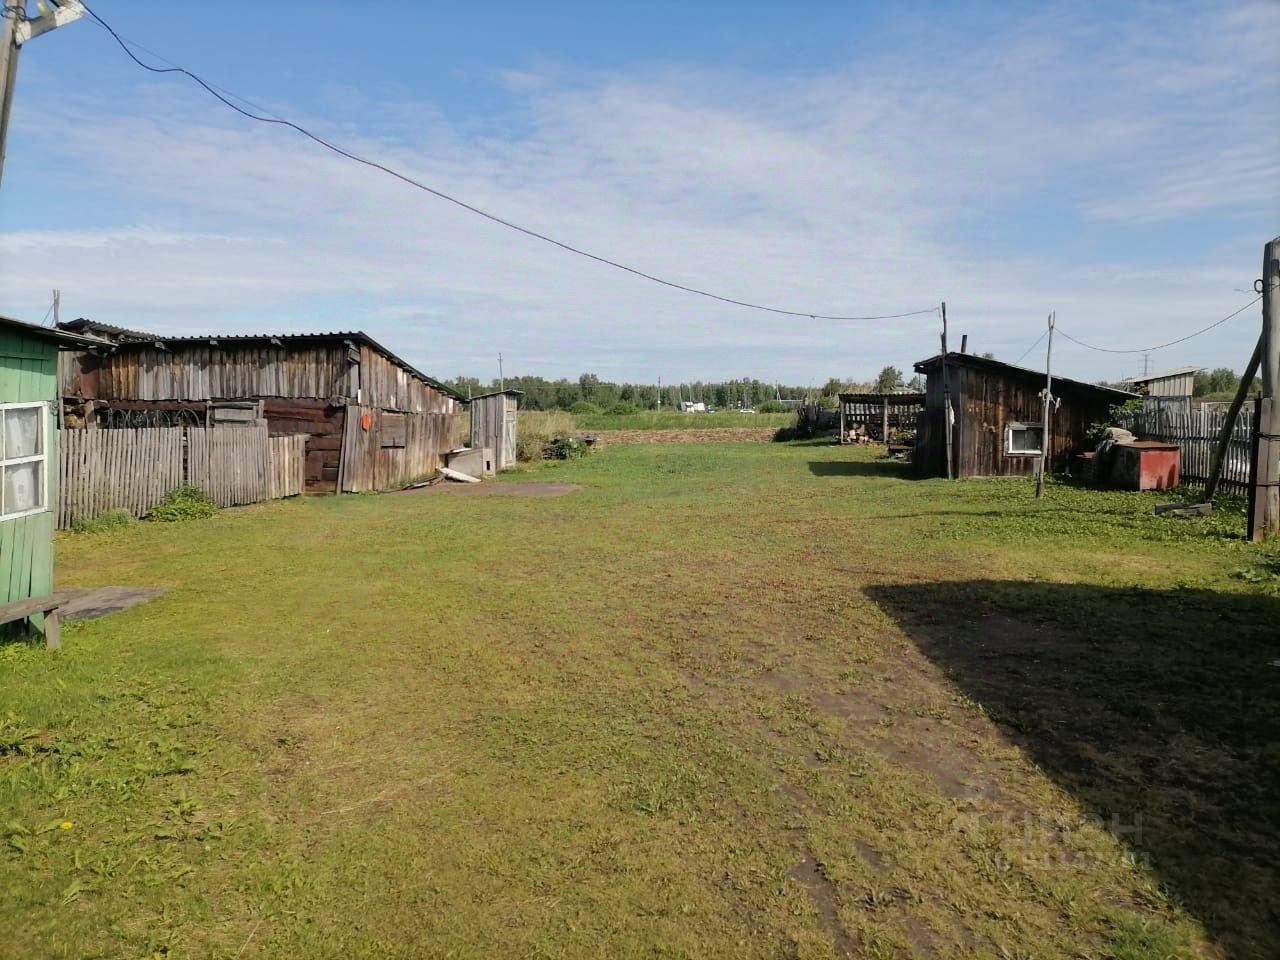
725, 700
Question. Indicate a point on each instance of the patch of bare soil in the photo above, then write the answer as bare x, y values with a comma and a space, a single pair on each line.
720, 435
500, 489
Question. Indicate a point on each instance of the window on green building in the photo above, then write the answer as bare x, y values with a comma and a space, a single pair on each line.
23, 461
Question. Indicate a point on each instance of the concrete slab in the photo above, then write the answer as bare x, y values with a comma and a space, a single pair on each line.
90, 603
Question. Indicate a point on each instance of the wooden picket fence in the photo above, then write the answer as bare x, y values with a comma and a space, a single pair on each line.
286, 464
1196, 432
133, 469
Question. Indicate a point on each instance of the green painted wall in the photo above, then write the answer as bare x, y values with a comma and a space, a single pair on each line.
28, 372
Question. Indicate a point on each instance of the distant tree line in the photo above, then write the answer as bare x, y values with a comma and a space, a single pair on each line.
1222, 381
605, 395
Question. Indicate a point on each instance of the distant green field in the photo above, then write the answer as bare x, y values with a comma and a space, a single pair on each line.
672, 420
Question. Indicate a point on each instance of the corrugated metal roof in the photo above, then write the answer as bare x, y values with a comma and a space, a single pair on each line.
972, 360
51, 333
1179, 372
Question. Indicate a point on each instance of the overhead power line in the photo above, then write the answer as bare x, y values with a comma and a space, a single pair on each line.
1171, 343
214, 91
1032, 347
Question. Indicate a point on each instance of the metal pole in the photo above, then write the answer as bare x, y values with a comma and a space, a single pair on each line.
8, 74
1045, 432
946, 391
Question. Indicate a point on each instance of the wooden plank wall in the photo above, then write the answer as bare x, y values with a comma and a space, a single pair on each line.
322, 422
368, 465
201, 371
286, 466
131, 470
28, 372
386, 386
985, 403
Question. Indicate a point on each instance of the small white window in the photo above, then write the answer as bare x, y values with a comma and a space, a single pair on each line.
1023, 439
23, 473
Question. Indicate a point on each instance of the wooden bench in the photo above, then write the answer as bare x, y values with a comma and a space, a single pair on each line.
50, 605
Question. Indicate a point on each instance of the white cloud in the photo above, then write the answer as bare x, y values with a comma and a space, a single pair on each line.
875, 189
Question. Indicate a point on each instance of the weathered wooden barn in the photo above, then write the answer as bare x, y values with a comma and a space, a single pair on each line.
997, 411
373, 421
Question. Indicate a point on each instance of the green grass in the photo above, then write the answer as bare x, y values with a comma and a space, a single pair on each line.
672, 420
738, 700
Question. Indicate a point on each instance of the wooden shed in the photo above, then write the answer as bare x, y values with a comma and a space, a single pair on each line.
494, 421
1169, 383
997, 412
876, 415
372, 421
29, 454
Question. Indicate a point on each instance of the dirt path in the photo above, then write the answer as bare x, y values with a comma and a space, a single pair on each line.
500, 489
713, 435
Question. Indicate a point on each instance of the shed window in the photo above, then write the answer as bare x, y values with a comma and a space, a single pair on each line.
22, 459
1021, 439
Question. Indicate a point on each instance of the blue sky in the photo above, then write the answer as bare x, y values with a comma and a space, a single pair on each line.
1119, 164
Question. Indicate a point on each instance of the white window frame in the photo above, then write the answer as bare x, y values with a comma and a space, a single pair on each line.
42, 458
1008, 439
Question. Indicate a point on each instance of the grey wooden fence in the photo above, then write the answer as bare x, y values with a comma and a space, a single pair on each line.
101, 470
133, 469
1196, 432
286, 461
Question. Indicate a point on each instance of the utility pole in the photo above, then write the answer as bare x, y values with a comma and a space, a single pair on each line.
1146, 364
946, 391
57, 303
1045, 432
659, 394
1264, 520
502, 380
16, 28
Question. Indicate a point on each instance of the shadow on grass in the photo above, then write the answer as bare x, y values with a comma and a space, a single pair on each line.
860, 468
1158, 710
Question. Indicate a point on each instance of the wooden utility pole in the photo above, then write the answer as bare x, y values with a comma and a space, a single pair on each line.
16, 28
1045, 432
502, 380
8, 75
1229, 425
57, 306
946, 391
1264, 520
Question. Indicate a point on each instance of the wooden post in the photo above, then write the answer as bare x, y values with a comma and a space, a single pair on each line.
1264, 471
1045, 432
1264, 468
8, 75
1228, 425
946, 393
884, 420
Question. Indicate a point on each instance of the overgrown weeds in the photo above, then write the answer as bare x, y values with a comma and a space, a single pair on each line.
183, 503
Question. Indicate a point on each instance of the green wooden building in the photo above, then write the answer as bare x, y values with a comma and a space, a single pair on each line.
29, 454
